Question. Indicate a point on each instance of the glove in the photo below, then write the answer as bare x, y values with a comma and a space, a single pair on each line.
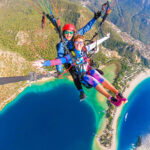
97, 15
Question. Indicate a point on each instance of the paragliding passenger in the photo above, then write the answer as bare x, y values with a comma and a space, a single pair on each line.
86, 72
69, 31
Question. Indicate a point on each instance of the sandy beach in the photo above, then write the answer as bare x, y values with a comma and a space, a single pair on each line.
132, 84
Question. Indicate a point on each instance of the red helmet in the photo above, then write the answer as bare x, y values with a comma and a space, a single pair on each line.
69, 27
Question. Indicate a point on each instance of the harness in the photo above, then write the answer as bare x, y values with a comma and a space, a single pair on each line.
86, 60
77, 59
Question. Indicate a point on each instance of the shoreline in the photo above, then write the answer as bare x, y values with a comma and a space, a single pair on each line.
21, 89
24, 86
132, 85
10, 99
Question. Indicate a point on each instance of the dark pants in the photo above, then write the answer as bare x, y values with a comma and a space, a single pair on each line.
75, 76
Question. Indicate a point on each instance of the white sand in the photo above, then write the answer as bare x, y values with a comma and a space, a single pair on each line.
135, 81
132, 84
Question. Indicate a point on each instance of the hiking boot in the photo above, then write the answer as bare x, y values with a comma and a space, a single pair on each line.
120, 97
82, 96
116, 102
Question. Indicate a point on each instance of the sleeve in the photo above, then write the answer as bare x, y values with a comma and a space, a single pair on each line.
60, 53
95, 44
58, 61
60, 50
87, 27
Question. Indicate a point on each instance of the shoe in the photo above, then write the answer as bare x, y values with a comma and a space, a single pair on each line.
116, 102
119, 96
82, 96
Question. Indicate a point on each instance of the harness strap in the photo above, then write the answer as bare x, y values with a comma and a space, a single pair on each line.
88, 69
65, 71
66, 59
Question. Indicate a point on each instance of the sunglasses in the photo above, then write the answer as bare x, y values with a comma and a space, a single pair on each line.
78, 42
67, 32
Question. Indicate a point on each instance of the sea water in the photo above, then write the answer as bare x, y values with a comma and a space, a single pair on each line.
135, 119
47, 117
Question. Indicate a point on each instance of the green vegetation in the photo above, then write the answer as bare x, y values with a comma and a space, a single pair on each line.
115, 41
99, 107
130, 16
21, 29
21, 32
110, 72
133, 17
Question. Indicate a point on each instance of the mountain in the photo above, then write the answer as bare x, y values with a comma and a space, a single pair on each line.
132, 16
21, 33
20, 27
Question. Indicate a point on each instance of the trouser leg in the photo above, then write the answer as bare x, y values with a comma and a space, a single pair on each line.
96, 84
103, 81
75, 77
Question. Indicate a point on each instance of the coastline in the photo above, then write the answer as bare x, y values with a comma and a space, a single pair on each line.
132, 84
21, 89
25, 85
10, 99
136, 80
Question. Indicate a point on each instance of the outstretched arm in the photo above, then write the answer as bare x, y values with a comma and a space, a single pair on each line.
90, 47
63, 60
87, 27
58, 61
90, 24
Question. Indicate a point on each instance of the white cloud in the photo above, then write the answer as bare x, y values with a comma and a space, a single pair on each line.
145, 143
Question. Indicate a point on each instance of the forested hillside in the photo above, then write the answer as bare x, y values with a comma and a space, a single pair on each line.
131, 16
21, 28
